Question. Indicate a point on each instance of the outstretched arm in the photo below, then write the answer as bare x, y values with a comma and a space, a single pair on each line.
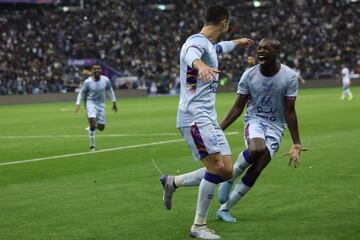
228, 46
235, 111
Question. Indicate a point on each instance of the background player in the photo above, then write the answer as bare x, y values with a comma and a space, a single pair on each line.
269, 90
94, 89
345, 76
197, 118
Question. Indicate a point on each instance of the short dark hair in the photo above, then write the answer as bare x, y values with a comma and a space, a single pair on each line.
215, 14
274, 42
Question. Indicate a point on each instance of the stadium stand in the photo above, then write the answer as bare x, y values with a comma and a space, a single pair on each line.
142, 38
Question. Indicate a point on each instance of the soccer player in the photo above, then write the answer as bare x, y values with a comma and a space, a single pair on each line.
251, 61
345, 73
197, 118
94, 89
269, 90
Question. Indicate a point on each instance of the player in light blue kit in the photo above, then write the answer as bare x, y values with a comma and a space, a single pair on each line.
94, 89
197, 118
269, 90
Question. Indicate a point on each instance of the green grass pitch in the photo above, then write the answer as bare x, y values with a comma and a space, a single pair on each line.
116, 194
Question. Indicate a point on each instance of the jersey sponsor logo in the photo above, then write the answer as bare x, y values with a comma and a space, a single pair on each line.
213, 86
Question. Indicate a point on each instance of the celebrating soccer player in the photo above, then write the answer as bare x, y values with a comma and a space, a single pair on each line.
94, 89
269, 90
197, 118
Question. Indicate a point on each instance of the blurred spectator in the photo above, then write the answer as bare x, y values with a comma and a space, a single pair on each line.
140, 40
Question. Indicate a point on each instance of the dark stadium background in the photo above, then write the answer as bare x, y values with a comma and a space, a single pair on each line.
45, 44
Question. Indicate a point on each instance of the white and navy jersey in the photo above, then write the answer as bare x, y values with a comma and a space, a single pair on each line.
197, 98
95, 90
345, 75
267, 94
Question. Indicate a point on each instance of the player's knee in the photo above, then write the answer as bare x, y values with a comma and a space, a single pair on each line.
256, 152
219, 167
223, 171
227, 174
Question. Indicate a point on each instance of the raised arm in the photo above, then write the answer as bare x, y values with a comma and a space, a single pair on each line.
235, 111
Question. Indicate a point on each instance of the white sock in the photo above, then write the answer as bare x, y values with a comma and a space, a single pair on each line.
206, 194
190, 179
92, 137
239, 191
239, 167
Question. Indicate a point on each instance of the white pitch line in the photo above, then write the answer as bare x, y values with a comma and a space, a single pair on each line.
99, 135
99, 151
85, 135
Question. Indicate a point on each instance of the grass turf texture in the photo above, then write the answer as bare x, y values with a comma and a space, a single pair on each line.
117, 195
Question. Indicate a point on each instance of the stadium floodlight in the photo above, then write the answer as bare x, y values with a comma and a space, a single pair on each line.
257, 3
162, 7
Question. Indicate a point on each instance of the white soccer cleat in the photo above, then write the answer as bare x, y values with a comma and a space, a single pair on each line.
223, 191
92, 148
202, 232
87, 128
225, 216
168, 184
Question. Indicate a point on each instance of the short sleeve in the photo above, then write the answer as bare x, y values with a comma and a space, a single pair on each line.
293, 86
196, 47
243, 87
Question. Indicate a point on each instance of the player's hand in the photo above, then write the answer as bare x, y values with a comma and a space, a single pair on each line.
244, 42
114, 108
205, 73
294, 154
208, 74
77, 109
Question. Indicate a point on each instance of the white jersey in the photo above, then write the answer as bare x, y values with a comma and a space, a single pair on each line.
345, 75
96, 90
197, 98
267, 94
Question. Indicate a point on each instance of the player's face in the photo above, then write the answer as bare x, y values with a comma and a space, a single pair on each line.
266, 52
96, 70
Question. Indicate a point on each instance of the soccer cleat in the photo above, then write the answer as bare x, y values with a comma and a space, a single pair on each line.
168, 184
92, 148
87, 128
350, 97
225, 216
202, 232
223, 192
342, 97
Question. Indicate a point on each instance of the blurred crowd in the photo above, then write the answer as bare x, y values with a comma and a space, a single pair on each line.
142, 39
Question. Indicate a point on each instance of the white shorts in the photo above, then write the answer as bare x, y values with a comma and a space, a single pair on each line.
95, 111
271, 135
346, 85
205, 140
